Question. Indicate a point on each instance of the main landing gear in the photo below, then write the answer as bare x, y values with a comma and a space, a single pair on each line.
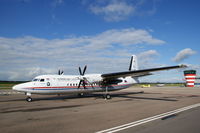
80, 94
107, 95
28, 99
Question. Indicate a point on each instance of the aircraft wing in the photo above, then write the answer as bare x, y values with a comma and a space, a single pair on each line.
138, 73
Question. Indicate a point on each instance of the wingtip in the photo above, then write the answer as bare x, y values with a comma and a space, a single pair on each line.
183, 66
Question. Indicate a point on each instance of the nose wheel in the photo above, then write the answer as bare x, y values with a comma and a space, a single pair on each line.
29, 99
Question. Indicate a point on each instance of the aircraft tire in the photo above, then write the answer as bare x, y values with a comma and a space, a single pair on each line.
80, 94
107, 96
29, 99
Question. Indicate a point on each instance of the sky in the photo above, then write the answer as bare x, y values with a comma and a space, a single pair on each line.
42, 36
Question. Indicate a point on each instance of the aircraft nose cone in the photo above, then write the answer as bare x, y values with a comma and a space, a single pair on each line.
15, 87
21, 87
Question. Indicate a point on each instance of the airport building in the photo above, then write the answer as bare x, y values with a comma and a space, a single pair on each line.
197, 82
190, 76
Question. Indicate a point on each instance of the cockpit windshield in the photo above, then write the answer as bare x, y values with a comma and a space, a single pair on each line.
41, 80
35, 80
38, 80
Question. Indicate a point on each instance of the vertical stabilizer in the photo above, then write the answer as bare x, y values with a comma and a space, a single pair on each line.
133, 63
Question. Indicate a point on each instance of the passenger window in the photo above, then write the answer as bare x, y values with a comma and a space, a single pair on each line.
41, 80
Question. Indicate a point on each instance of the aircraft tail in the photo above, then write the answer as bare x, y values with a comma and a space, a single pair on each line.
133, 63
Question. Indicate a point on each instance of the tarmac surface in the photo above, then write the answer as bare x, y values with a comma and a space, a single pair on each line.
186, 122
92, 113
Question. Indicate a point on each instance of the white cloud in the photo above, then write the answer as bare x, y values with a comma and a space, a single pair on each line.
114, 11
146, 58
119, 10
193, 67
29, 73
23, 58
149, 54
183, 54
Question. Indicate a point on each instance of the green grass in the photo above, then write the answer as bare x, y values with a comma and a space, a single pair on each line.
165, 84
9, 84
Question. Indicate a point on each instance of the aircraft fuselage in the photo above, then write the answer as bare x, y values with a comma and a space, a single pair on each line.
61, 84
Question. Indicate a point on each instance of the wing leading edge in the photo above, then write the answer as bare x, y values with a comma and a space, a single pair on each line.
139, 73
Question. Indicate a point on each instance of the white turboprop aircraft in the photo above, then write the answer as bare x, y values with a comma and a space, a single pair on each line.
80, 84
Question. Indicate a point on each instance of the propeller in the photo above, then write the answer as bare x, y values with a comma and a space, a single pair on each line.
60, 72
82, 78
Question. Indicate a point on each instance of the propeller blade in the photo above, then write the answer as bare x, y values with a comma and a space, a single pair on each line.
79, 84
82, 79
80, 71
84, 84
84, 69
62, 72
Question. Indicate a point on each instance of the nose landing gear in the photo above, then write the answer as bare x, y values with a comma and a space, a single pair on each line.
28, 99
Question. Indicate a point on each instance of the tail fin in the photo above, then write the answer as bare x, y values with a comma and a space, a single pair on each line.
133, 63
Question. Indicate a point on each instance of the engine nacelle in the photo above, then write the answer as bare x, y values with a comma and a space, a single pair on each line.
114, 81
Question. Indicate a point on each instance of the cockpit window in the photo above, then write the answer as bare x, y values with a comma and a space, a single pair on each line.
35, 79
38, 80
41, 80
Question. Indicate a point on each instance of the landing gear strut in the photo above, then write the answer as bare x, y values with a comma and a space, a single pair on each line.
107, 95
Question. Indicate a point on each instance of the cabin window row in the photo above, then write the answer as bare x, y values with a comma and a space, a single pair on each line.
75, 84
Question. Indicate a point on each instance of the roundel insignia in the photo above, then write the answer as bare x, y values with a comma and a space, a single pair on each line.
48, 84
